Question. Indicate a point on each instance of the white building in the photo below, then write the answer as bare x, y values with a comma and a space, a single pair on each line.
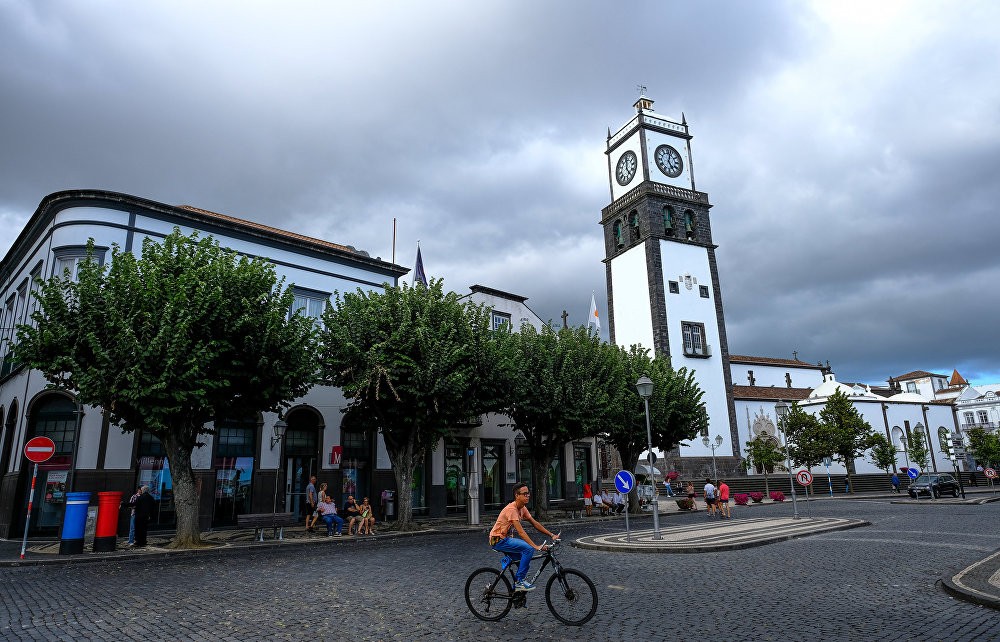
243, 467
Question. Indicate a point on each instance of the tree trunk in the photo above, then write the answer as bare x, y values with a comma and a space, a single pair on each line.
186, 500
767, 484
540, 493
403, 463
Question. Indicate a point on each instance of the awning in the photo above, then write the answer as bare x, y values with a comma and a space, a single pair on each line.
643, 469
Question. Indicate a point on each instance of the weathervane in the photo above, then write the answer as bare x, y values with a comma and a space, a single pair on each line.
642, 90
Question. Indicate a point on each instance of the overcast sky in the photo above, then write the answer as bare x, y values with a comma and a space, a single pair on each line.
851, 150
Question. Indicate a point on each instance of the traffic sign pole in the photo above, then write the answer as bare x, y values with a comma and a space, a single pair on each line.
624, 483
27, 519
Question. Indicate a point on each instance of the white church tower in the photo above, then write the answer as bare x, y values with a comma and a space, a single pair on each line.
663, 279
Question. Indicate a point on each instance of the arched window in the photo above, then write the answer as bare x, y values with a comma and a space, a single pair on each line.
633, 221
668, 220
943, 436
897, 438
619, 241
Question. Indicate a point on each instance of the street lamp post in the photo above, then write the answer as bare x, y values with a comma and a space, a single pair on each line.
952, 442
781, 409
906, 454
645, 387
713, 446
279, 433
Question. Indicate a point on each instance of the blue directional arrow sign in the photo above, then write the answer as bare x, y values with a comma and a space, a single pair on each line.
912, 473
624, 481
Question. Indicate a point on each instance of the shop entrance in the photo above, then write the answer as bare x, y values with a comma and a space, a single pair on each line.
301, 457
298, 470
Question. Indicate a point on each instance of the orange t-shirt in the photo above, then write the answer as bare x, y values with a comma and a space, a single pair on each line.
504, 524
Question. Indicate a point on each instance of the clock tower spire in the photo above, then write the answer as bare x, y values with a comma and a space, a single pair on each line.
660, 261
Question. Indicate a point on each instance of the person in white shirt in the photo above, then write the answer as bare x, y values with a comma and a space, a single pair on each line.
608, 501
599, 504
619, 503
710, 497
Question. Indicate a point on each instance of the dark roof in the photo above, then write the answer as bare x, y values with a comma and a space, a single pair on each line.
772, 393
482, 289
916, 374
772, 361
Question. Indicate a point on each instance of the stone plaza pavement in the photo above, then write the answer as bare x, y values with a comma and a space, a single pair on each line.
978, 583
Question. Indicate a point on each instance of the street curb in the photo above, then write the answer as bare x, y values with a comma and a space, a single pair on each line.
686, 550
954, 584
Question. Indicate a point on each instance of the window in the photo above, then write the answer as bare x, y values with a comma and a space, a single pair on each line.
69, 258
499, 319
619, 241
984, 418
911, 386
703, 291
668, 220
675, 287
310, 302
633, 220
970, 418
694, 339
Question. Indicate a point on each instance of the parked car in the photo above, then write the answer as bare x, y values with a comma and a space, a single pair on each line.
935, 485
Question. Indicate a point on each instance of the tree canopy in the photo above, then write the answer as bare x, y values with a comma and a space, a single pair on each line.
985, 447
415, 362
883, 453
808, 438
167, 342
676, 410
764, 453
561, 387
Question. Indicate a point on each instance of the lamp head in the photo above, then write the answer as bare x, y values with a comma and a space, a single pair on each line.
645, 387
781, 409
704, 440
718, 440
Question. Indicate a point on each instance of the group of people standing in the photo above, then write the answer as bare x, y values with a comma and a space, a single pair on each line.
320, 505
716, 498
606, 502
142, 506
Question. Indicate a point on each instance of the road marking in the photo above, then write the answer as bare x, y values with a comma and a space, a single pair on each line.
906, 542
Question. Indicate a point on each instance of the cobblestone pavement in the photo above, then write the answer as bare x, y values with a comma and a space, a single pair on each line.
873, 583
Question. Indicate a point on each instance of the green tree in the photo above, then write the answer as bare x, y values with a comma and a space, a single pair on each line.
764, 453
561, 387
850, 435
676, 410
883, 453
984, 446
808, 439
919, 452
415, 362
166, 343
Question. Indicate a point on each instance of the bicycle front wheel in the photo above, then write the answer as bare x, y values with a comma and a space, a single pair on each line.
571, 597
488, 594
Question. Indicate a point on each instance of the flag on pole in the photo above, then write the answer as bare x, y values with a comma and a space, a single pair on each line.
418, 270
594, 317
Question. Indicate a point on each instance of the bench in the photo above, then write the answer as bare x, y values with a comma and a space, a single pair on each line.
571, 507
259, 521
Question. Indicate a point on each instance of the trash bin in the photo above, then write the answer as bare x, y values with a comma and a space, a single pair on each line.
106, 533
74, 523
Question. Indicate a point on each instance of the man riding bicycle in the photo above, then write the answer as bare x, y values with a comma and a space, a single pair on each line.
502, 535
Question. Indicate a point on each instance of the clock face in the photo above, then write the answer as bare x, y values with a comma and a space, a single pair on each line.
669, 161
626, 168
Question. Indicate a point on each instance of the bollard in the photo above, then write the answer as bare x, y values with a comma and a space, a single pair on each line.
106, 535
74, 522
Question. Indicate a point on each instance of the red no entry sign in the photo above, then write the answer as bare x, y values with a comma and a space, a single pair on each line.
39, 449
991, 473
804, 477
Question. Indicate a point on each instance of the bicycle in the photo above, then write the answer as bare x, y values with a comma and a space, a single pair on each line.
490, 594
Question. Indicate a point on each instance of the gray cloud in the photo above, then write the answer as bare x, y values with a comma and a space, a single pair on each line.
850, 154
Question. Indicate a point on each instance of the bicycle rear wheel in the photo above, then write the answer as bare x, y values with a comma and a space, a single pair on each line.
488, 594
572, 598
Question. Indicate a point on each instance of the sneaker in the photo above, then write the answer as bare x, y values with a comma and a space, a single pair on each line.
339, 534
329, 534
524, 585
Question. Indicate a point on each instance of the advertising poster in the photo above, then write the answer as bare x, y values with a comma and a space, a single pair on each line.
55, 487
232, 477
155, 473
350, 481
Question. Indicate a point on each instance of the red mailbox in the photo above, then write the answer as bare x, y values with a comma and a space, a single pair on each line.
106, 534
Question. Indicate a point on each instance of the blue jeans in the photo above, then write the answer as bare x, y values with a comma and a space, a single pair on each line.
514, 547
131, 529
330, 521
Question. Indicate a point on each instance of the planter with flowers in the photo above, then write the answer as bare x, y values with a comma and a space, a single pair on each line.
741, 499
777, 496
757, 497
685, 504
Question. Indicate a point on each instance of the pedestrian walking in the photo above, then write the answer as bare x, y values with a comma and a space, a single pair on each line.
724, 499
689, 489
895, 482
131, 520
145, 507
669, 489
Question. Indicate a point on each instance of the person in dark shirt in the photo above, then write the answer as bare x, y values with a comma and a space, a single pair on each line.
145, 507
